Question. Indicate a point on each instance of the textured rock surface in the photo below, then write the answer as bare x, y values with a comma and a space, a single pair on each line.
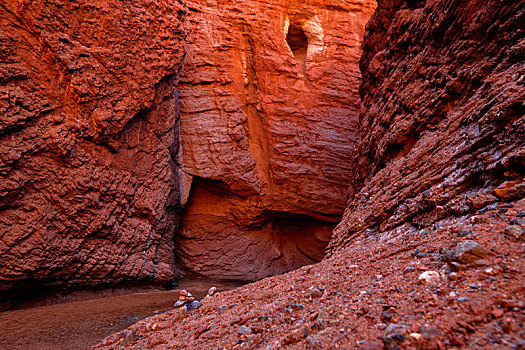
439, 163
88, 184
442, 125
367, 287
269, 110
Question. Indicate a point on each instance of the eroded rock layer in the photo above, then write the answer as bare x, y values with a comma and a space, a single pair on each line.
88, 182
269, 110
442, 128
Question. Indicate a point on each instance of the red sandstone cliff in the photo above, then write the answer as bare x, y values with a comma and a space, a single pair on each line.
88, 183
94, 170
269, 110
442, 124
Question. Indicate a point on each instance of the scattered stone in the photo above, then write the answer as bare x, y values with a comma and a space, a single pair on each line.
395, 328
482, 262
465, 253
381, 326
453, 276
480, 200
515, 231
386, 316
201, 331
316, 293
506, 190
520, 345
363, 310
490, 271
372, 346
416, 336
297, 306
222, 309
462, 299
409, 269
429, 277
497, 313
393, 342
431, 332
243, 330
456, 266
212, 291
180, 314
130, 337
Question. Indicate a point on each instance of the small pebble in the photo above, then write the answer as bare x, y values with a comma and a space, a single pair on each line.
416, 336
222, 308
381, 326
194, 305
462, 299
497, 312
386, 316
316, 293
243, 330
429, 277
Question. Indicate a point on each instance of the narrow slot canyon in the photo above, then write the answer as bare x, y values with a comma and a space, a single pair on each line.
276, 174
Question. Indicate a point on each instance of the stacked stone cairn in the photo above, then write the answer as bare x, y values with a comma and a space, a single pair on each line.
188, 301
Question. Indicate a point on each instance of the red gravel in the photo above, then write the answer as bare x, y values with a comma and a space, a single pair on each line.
368, 286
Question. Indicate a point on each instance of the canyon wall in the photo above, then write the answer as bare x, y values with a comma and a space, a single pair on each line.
269, 109
442, 125
88, 135
106, 135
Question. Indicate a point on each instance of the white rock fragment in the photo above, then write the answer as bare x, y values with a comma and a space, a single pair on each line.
429, 277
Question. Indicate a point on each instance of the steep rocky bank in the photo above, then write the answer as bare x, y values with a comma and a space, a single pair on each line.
88, 181
367, 296
442, 125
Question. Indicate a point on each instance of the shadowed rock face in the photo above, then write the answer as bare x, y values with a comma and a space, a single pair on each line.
269, 110
88, 183
442, 124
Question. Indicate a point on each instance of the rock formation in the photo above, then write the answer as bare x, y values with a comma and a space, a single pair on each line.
269, 109
442, 126
436, 191
94, 171
88, 116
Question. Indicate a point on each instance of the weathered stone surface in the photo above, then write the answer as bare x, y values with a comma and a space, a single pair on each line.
88, 182
442, 115
269, 110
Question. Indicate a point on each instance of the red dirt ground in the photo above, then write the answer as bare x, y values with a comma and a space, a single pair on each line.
81, 324
371, 285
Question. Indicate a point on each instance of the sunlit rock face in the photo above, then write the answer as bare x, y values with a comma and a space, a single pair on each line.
116, 115
88, 117
442, 123
269, 109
